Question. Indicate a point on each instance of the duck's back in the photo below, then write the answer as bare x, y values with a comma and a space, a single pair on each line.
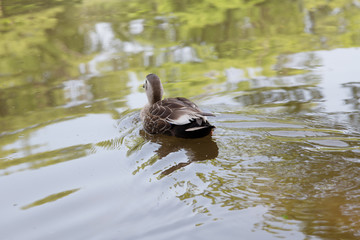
177, 117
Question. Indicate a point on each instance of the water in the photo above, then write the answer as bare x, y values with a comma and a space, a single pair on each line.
282, 79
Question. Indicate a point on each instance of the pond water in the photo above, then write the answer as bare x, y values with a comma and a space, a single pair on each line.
281, 77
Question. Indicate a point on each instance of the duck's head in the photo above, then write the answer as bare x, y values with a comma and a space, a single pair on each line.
153, 87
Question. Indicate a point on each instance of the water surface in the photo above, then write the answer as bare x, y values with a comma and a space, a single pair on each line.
282, 79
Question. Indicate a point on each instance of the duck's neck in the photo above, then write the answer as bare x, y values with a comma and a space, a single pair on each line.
155, 95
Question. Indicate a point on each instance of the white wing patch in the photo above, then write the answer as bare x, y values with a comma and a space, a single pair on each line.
185, 119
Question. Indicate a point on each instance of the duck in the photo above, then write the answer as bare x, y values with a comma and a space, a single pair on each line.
177, 117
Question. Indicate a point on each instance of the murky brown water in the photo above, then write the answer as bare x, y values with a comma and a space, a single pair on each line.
282, 79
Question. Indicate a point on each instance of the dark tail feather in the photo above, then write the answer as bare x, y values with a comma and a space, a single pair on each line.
192, 130
208, 114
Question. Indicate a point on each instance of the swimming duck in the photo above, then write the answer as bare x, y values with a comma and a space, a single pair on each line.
172, 116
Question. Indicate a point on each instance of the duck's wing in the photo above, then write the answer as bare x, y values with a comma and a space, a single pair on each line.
186, 102
193, 106
178, 111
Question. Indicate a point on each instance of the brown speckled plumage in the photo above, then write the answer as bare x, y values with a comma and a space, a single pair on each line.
172, 116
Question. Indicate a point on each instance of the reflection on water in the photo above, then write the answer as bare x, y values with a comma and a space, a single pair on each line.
195, 149
303, 172
50, 198
281, 76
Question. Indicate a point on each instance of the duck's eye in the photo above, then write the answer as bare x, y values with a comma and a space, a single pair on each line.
145, 85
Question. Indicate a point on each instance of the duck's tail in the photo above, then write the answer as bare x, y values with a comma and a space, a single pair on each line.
193, 129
